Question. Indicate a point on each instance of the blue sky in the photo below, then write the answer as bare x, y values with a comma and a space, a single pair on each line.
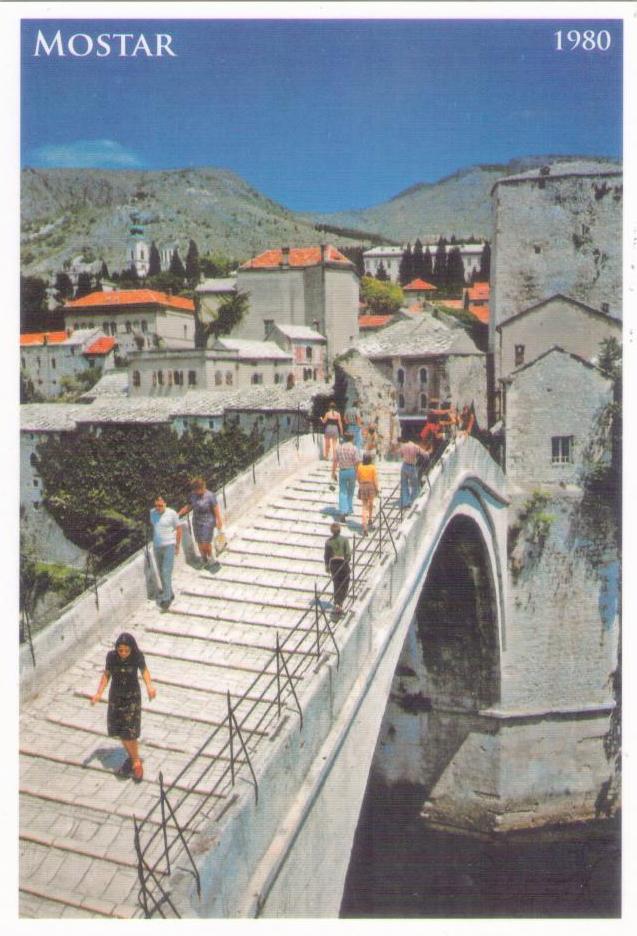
322, 115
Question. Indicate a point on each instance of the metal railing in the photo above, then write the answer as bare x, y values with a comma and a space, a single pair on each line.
253, 717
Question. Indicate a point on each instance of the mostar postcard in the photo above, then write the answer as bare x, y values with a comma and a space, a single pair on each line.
320, 441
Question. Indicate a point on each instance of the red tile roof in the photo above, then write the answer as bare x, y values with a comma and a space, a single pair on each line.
124, 297
101, 346
481, 312
373, 321
37, 338
297, 257
418, 285
478, 291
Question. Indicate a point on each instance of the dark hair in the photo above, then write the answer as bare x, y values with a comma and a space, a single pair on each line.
367, 458
348, 436
197, 482
129, 641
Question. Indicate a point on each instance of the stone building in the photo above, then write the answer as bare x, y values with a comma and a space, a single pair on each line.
550, 407
571, 325
229, 363
211, 292
428, 360
48, 357
136, 317
307, 348
312, 286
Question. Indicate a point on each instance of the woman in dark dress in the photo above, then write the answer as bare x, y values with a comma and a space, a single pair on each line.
124, 715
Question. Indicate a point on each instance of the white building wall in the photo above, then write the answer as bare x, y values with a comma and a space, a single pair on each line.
557, 396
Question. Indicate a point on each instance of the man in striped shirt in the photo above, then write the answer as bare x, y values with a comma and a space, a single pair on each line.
346, 458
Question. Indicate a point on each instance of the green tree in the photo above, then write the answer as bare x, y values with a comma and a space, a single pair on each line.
104, 270
406, 268
33, 307
418, 262
381, 298
176, 265
154, 260
63, 286
440, 263
193, 270
381, 273
455, 269
28, 393
216, 265
84, 285
129, 279
230, 313
428, 266
485, 264
166, 282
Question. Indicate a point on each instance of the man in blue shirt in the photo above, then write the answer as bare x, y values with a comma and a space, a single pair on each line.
166, 540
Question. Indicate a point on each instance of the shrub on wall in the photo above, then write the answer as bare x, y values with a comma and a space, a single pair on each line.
99, 486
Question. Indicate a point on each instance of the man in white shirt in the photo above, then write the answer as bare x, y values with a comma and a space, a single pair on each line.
166, 540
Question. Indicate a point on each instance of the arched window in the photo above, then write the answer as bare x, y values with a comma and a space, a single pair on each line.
104, 327
218, 378
179, 378
423, 401
113, 328
308, 353
137, 378
401, 401
33, 459
228, 378
290, 381
400, 377
129, 328
277, 378
423, 375
257, 378
154, 378
144, 325
160, 378
192, 378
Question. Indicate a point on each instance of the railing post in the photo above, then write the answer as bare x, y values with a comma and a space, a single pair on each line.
353, 568
140, 872
278, 675
298, 425
254, 476
278, 460
162, 800
231, 738
316, 619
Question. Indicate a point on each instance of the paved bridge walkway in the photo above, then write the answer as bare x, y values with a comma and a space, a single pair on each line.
76, 828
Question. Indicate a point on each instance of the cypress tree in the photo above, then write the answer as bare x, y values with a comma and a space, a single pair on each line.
455, 269
428, 265
84, 286
176, 266
485, 263
418, 262
381, 273
104, 270
154, 261
406, 268
193, 270
440, 263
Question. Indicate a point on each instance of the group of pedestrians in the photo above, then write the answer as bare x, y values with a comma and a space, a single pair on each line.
167, 525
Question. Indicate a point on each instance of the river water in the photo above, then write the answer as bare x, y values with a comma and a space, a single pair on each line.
400, 868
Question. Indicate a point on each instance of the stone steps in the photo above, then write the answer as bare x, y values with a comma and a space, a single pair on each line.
219, 636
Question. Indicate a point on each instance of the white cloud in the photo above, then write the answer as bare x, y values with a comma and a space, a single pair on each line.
85, 154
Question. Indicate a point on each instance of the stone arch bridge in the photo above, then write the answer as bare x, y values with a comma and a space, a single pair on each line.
270, 714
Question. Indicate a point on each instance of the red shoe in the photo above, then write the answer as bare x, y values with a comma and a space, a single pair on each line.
138, 771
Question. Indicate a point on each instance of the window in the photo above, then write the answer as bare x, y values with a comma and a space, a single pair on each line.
277, 378
257, 379
179, 378
105, 327
33, 459
308, 353
192, 378
605, 308
519, 354
423, 401
228, 378
423, 375
36, 483
537, 248
268, 325
185, 331
562, 450
401, 401
211, 424
400, 377
137, 378
76, 325
113, 328
53, 364
144, 326
39, 362
160, 378
218, 378
23, 362
129, 328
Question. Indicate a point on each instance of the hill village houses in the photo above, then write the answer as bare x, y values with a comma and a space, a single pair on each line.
554, 296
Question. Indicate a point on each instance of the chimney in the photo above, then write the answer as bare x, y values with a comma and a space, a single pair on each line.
323, 252
285, 256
